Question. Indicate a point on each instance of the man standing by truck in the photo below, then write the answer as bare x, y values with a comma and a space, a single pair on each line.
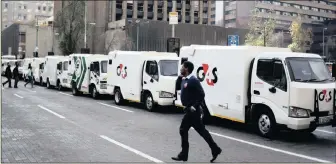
192, 96
16, 74
8, 74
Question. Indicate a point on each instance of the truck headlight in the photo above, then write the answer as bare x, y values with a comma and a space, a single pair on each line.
164, 94
296, 112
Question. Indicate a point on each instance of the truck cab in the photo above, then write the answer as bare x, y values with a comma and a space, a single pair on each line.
98, 75
63, 78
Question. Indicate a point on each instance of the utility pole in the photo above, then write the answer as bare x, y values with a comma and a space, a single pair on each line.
264, 36
36, 43
173, 25
85, 22
323, 40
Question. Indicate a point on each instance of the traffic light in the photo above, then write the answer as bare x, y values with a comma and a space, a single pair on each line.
173, 45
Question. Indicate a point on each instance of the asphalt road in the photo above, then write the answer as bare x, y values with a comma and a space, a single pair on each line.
42, 125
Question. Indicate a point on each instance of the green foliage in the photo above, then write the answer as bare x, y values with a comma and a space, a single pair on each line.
70, 26
301, 37
260, 30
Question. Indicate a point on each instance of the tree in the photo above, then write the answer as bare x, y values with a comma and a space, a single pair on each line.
301, 37
70, 26
260, 30
117, 40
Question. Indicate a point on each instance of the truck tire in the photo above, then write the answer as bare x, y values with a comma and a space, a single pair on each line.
94, 92
118, 99
265, 124
41, 82
59, 86
310, 130
149, 102
74, 90
48, 84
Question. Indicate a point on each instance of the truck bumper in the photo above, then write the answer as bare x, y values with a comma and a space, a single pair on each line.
165, 101
306, 123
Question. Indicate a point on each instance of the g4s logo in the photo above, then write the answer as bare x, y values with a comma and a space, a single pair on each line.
203, 73
122, 71
323, 96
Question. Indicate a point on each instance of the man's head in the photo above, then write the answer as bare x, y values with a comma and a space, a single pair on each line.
187, 68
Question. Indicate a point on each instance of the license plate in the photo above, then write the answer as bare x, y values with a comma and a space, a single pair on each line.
324, 120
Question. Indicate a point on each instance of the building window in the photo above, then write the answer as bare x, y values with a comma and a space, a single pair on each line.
286, 13
305, 7
44, 8
38, 7
314, 17
276, 3
322, 10
25, 7
6, 5
286, 4
20, 7
297, 6
277, 12
295, 14
213, 16
314, 9
50, 8
323, 2
25, 17
19, 16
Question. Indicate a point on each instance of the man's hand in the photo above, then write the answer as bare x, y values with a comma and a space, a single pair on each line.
192, 109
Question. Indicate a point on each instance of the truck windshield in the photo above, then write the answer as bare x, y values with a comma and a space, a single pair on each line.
168, 67
308, 70
104, 67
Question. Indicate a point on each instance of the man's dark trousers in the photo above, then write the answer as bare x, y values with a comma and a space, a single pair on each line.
193, 119
16, 81
9, 81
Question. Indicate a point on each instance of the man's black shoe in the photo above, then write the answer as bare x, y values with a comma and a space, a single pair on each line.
179, 159
215, 155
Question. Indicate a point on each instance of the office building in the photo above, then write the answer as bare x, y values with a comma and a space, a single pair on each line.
24, 12
237, 13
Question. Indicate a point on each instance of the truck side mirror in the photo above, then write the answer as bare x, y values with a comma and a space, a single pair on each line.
91, 67
277, 70
333, 70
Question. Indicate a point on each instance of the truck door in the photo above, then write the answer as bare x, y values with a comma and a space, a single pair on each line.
94, 73
150, 76
64, 75
269, 84
58, 73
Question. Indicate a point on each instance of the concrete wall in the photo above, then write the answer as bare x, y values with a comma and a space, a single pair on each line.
44, 41
154, 34
10, 38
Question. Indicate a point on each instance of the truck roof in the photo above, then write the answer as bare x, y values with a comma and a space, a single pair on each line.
147, 54
284, 55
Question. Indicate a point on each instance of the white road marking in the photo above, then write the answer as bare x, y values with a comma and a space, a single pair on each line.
56, 114
131, 149
324, 131
65, 94
272, 149
29, 90
18, 96
115, 107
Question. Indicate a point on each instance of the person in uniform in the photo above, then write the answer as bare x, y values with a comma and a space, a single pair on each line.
192, 97
8, 74
16, 74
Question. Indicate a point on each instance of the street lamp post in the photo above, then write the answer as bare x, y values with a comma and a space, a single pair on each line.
85, 22
323, 40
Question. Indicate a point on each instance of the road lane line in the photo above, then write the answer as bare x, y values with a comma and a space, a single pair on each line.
116, 107
273, 149
324, 131
29, 90
65, 94
56, 114
131, 149
18, 96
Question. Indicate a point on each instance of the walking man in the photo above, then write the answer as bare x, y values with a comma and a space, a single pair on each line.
30, 76
16, 74
192, 96
8, 74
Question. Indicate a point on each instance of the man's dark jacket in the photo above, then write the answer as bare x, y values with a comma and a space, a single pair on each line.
8, 72
192, 93
16, 72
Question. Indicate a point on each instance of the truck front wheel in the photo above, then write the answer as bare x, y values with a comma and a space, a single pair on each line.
74, 90
266, 125
118, 99
48, 84
94, 92
149, 102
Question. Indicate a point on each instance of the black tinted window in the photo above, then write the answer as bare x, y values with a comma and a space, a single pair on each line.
273, 73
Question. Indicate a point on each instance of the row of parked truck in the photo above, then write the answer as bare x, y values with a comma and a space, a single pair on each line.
269, 88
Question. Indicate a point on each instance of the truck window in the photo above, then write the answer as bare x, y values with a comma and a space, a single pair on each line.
266, 70
308, 70
149, 66
103, 66
169, 67
96, 67
65, 65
